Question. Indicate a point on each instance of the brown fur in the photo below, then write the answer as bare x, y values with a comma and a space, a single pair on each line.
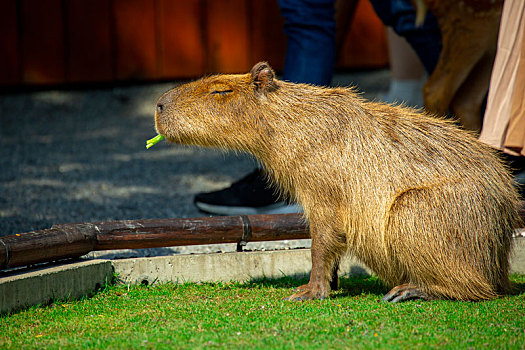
415, 198
460, 81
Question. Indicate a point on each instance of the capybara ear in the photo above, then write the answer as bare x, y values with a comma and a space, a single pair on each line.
262, 75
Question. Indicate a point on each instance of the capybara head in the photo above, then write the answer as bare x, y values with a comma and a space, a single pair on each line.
206, 111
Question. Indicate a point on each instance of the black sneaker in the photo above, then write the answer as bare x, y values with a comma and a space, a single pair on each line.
249, 196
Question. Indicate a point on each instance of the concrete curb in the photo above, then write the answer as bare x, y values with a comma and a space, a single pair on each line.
23, 288
45, 284
223, 267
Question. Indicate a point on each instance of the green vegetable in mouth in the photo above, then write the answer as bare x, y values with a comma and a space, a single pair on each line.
153, 141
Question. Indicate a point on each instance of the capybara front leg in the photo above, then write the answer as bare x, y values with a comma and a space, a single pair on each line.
325, 257
334, 281
406, 292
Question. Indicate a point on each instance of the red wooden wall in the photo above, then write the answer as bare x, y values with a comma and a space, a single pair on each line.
48, 42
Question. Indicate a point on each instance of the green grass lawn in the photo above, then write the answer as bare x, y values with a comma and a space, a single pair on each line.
253, 315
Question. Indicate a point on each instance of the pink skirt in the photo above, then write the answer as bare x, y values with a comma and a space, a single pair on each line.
504, 122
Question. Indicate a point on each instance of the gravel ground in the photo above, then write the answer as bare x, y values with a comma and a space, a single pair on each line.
79, 155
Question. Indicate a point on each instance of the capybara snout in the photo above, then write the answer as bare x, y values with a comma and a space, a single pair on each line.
183, 114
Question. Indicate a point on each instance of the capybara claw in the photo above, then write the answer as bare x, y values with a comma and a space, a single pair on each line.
306, 294
405, 292
301, 288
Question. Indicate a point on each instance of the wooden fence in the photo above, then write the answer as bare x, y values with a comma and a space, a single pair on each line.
47, 42
73, 240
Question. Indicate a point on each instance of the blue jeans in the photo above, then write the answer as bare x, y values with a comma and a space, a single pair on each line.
310, 30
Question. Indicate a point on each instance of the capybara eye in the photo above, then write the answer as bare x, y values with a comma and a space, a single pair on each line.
221, 92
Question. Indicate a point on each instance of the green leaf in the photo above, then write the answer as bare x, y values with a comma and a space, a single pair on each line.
151, 142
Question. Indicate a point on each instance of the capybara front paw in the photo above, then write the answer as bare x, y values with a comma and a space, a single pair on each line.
302, 288
406, 292
307, 293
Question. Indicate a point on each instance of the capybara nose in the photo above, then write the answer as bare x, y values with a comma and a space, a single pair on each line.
164, 102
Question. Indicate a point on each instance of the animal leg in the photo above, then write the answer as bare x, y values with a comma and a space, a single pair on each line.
449, 75
406, 292
334, 282
468, 101
465, 43
325, 258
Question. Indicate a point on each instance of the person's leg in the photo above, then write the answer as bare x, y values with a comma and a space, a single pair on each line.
407, 75
310, 30
425, 39
404, 63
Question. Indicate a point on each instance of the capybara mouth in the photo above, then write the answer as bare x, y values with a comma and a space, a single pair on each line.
161, 125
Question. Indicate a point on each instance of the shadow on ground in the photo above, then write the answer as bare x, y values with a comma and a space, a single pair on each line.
349, 286
517, 288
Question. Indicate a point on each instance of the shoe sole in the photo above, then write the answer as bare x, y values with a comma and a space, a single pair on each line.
277, 208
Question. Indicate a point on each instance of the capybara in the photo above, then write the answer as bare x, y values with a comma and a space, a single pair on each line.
424, 204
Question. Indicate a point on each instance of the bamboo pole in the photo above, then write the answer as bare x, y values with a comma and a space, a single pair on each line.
77, 239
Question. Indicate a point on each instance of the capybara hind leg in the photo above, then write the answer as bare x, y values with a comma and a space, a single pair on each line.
406, 292
325, 258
